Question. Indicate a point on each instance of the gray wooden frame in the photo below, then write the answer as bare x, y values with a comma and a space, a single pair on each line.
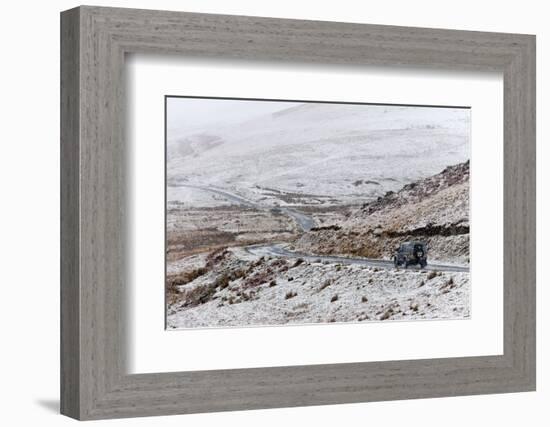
94, 41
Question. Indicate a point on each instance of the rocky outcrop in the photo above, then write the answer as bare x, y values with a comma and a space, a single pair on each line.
435, 210
417, 191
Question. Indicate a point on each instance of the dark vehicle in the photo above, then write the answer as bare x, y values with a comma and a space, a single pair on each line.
411, 253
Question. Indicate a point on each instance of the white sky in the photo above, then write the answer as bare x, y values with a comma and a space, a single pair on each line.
189, 113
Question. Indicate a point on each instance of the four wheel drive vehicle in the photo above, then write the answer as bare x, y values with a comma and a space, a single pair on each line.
411, 253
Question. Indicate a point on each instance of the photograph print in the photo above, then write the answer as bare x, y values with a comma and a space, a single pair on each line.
299, 212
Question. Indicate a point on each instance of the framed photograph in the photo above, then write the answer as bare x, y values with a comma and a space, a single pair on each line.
262, 213
292, 212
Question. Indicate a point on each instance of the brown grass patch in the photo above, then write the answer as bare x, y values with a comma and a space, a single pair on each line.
325, 285
290, 294
175, 281
198, 295
298, 262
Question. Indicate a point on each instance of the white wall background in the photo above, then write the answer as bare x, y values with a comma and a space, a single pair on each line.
29, 224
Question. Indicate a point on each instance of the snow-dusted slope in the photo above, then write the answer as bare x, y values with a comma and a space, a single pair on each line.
341, 151
235, 292
434, 210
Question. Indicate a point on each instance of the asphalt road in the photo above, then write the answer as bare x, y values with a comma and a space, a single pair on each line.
277, 250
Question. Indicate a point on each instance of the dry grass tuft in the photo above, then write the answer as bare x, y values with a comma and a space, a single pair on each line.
387, 314
431, 275
298, 262
173, 283
290, 294
325, 285
198, 295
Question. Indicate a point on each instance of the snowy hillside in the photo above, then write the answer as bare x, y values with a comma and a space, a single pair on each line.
435, 210
224, 289
326, 153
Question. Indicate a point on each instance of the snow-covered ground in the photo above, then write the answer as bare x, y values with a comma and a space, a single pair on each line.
277, 292
186, 196
192, 230
313, 153
240, 287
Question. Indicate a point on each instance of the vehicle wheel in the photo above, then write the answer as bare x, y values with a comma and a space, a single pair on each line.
395, 263
406, 263
423, 264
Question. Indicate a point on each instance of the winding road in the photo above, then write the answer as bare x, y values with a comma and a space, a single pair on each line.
306, 223
277, 250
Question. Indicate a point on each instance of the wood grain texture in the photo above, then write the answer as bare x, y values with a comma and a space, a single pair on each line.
94, 201
70, 263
